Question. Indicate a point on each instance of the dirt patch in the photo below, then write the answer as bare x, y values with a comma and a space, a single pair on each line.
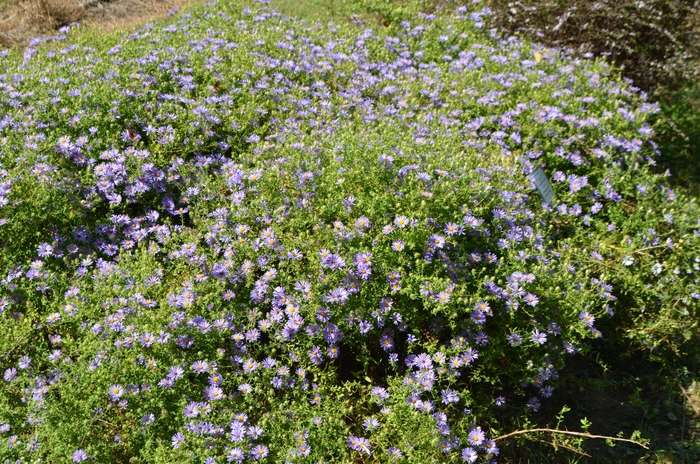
23, 20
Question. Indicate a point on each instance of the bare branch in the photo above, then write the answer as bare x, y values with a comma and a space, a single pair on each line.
566, 432
689, 400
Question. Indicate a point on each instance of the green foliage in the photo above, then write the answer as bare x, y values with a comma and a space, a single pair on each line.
678, 131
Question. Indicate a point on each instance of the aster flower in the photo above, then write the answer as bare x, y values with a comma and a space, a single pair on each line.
235, 455
476, 437
539, 337
587, 318
213, 393
177, 440
398, 245
146, 340
259, 452
200, 367
116, 392
245, 388
10, 374
449, 396
534, 404
370, 423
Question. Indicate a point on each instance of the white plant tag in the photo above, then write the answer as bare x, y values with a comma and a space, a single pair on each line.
543, 186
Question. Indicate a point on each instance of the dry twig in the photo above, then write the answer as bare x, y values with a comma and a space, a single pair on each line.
566, 432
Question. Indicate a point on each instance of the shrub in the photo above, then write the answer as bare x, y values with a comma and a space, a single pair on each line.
656, 42
240, 236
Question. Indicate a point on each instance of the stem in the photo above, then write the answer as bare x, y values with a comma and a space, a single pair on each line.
648, 248
689, 400
682, 446
566, 432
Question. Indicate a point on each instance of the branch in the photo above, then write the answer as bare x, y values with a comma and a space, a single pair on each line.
566, 432
689, 399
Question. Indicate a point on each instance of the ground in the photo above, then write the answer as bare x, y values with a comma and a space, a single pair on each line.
23, 20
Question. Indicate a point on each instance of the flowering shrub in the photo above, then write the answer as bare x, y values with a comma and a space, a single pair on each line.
244, 237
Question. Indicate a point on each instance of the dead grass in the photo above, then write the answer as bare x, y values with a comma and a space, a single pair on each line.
125, 14
23, 20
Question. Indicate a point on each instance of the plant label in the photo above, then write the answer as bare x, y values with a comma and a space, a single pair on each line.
539, 177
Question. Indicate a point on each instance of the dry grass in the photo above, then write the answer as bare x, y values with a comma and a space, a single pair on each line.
124, 14
23, 20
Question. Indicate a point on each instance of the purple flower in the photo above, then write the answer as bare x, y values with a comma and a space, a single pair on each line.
177, 440
531, 299
191, 410
360, 444
316, 355
398, 245
45, 250
362, 223
570, 347
200, 366
79, 456
146, 339
449, 396
116, 392
534, 404
437, 241
539, 337
235, 455
245, 388
255, 432
443, 297
337, 295
259, 452
379, 393
10, 374
469, 455
490, 447
213, 393
371, 423
587, 318
476, 436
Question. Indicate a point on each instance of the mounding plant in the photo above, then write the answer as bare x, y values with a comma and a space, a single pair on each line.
240, 236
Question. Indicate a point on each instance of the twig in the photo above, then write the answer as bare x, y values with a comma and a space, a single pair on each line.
682, 446
566, 432
689, 400
648, 248
7, 19
101, 420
